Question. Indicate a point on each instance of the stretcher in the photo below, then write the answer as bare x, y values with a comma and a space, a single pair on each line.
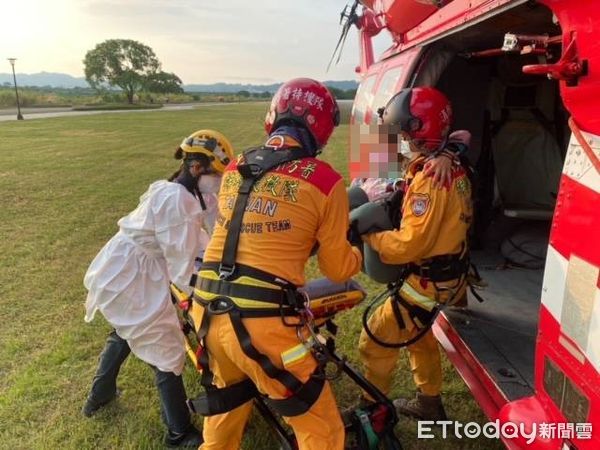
367, 428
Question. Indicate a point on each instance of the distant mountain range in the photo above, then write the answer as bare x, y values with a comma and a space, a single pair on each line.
58, 80
257, 88
63, 80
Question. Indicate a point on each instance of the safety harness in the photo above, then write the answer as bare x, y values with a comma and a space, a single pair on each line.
438, 269
283, 299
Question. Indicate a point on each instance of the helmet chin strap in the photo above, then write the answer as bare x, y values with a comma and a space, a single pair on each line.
300, 134
187, 180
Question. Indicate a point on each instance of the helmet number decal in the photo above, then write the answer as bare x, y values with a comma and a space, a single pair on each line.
419, 204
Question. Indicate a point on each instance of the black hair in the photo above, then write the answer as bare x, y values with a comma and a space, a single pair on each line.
175, 174
179, 154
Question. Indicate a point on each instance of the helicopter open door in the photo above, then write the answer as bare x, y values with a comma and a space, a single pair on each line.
567, 356
531, 352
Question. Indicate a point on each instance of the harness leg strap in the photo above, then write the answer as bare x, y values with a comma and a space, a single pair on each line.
207, 376
217, 400
396, 310
222, 400
304, 394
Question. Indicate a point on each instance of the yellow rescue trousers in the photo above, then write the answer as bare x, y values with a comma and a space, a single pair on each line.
320, 428
380, 362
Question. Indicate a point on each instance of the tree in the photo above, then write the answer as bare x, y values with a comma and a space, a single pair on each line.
120, 62
341, 94
163, 83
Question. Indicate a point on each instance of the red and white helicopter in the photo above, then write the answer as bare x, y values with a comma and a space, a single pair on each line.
524, 78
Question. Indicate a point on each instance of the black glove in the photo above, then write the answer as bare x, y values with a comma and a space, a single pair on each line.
394, 207
353, 235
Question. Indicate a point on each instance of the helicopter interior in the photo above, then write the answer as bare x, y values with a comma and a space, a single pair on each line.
519, 141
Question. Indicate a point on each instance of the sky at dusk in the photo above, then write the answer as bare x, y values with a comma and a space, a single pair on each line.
235, 41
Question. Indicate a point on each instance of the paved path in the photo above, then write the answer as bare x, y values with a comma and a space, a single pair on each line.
43, 113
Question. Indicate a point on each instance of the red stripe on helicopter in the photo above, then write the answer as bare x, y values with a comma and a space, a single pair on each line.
576, 221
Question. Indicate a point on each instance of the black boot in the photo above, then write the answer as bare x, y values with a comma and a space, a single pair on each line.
91, 406
190, 438
104, 386
174, 411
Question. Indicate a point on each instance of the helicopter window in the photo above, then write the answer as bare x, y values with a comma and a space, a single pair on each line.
364, 98
387, 87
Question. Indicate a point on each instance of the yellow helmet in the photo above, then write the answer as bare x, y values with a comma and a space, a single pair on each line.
211, 143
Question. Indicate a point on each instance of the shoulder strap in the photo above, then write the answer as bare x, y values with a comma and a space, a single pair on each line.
255, 163
200, 199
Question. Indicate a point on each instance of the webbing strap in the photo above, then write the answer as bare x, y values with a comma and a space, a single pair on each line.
258, 161
396, 310
222, 400
230, 289
426, 318
304, 395
235, 227
242, 270
207, 376
253, 313
202, 202
476, 278
288, 380
366, 430
443, 267
217, 401
421, 317
301, 401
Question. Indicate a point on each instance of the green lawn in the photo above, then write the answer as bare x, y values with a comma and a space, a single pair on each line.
64, 183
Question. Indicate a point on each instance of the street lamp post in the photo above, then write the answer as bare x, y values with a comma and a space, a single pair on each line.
12, 63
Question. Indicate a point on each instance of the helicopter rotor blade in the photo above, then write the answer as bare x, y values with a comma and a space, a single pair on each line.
338, 46
343, 14
351, 19
345, 35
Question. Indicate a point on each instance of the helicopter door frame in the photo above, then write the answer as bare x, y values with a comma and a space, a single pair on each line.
567, 354
567, 364
399, 67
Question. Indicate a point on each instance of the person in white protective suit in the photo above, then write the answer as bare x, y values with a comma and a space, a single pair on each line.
128, 281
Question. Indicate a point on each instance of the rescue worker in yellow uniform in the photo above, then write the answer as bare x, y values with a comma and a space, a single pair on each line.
430, 243
276, 202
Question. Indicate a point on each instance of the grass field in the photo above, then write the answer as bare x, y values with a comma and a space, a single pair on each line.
64, 183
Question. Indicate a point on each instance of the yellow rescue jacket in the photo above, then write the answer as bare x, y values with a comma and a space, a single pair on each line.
290, 209
434, 222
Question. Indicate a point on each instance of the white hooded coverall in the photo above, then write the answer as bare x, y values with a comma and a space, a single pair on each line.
128, 281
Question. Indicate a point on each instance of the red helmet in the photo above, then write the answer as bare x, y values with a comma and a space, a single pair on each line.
308, 103
424, 113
